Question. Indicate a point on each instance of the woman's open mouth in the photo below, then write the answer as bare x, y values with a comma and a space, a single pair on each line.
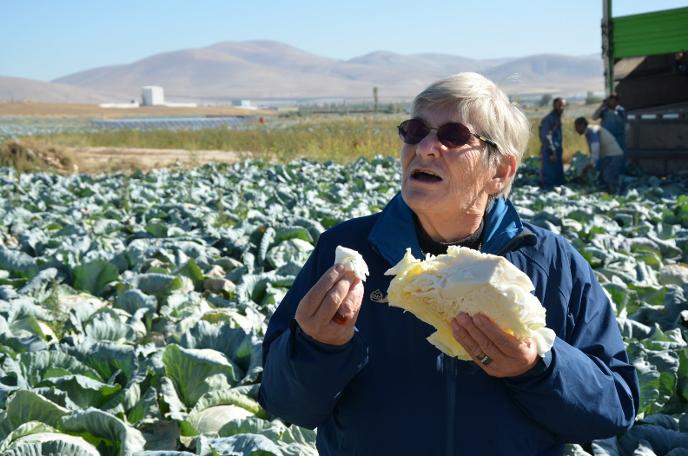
425, 176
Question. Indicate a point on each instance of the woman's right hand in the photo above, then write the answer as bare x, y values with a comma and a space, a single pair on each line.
328, 312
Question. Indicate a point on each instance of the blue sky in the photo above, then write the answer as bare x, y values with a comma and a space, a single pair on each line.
46, 39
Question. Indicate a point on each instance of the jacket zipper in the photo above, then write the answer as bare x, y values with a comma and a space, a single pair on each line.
450, 366
450, 369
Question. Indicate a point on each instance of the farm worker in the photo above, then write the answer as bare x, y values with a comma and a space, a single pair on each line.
338, 358
605, 153
613, 119
551, 150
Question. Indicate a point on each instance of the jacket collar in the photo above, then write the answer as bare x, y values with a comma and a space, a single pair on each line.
394, 230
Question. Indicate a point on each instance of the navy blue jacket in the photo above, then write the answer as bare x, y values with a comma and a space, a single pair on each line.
390, 392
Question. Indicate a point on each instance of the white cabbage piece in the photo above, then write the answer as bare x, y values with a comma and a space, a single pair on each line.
352, 261
465, 280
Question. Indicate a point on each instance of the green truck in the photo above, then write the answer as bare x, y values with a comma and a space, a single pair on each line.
646, 64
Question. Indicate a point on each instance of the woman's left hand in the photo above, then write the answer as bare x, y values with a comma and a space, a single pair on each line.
480, 336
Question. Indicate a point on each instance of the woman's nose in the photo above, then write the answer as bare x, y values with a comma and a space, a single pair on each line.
429, 146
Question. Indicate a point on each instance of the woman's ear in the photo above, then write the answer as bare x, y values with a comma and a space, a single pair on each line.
504, 172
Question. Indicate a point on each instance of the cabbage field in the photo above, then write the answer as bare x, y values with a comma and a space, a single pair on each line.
132, 306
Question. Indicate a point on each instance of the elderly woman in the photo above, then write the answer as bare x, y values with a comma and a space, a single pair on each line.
338, 358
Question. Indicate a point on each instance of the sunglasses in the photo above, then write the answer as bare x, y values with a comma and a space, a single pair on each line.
452, 134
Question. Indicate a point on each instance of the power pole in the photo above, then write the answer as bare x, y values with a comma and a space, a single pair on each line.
607, 46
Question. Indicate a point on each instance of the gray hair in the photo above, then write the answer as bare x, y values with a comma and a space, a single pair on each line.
485, 109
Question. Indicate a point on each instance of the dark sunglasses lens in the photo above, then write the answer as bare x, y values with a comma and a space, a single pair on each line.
413, 131
453, 134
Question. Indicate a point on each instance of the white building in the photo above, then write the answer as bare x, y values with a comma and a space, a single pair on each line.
152, 96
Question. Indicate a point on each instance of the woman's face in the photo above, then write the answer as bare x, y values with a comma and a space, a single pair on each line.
443, 183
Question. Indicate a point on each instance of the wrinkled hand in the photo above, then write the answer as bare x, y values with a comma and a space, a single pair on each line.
328, 312
510, 356
553, 157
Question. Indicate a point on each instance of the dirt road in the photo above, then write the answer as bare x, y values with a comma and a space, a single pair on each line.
105, 159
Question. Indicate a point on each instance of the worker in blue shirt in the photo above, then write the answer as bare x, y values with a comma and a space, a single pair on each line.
551, 151
612, 118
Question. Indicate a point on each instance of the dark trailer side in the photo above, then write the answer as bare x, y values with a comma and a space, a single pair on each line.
646, 64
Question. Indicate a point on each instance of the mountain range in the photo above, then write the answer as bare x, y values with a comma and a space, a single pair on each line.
273, 70
22, 89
